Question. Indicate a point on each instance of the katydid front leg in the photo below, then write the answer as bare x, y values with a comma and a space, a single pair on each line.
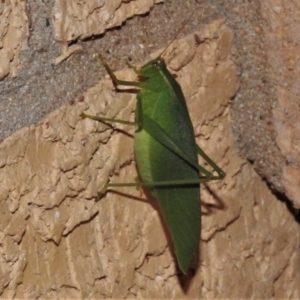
116, 82
113, 77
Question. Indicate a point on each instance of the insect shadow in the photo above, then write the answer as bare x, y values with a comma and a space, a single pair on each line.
210, 207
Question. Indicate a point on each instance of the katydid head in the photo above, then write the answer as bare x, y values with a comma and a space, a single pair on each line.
151, 68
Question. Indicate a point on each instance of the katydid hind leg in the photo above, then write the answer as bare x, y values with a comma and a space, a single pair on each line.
162, 183
161, 136
220, 172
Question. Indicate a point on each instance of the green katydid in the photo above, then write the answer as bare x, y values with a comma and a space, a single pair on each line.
166, 154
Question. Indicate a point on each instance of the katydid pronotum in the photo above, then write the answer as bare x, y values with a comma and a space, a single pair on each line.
166, 154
